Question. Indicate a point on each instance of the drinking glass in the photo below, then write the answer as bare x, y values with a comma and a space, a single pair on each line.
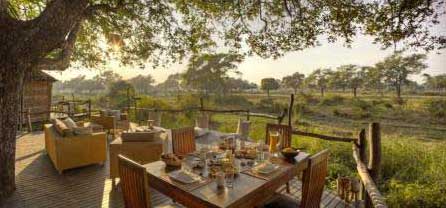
274, 138
229, 177
260, 155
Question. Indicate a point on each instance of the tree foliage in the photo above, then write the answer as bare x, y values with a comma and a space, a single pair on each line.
294, 81
269, 84
210, 72
396, 69
142, 84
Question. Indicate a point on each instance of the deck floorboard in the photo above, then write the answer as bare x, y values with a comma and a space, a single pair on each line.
40, 185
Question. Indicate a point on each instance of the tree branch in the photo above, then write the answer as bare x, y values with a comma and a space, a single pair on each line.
61, 62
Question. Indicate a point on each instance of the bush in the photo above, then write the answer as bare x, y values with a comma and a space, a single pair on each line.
307, 99
233, 101
269, 106
362, 104
332, 100
437, 108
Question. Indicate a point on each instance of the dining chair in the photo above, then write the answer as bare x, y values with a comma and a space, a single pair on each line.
134, 183
284, 130
312, 185
183, 141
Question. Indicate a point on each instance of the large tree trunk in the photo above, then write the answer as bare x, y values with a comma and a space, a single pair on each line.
24, 45
11, 79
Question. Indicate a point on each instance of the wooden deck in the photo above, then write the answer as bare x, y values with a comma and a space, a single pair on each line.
39, 184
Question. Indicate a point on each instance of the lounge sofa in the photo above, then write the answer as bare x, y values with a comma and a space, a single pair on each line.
71, 150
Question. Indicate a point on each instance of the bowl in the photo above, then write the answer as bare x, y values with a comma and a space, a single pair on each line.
290, 155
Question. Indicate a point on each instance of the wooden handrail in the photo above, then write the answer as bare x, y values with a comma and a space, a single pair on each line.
324, 137
263, 115
378, 200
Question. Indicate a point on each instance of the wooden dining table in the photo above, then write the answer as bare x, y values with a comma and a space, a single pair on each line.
249, 189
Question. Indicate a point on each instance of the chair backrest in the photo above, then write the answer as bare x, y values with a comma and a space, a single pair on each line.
134, 183
314, 179
183, 140
284, 130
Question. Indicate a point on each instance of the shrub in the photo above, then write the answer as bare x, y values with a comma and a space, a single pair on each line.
269, 106
332, 100
436, 108
362, 104
307, 99
233, 101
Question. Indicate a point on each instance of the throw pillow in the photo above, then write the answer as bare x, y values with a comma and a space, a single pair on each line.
62, 128
70, 123
83, 130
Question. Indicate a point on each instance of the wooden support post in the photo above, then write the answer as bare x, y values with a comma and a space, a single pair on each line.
374, 157
290, 111
374, 164
28, 115
247, 115
89, 109
201, 104
362, 142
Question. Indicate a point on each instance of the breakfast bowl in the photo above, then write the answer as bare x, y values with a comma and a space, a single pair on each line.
289, 153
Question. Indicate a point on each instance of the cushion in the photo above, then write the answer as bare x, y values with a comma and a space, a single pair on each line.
83, 130
62, 128
138, 136
116, 114
70, 123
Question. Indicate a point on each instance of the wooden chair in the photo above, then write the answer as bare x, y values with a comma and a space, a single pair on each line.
134, 183
284, 130
312, 185
183, 141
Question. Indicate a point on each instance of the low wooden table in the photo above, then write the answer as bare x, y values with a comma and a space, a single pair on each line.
247, 191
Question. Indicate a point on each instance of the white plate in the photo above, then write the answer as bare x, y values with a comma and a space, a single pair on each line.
265, 170
183, 177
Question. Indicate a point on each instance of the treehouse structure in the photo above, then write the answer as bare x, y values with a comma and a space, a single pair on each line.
35, 100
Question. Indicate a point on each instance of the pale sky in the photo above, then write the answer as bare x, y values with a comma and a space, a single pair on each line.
363, 52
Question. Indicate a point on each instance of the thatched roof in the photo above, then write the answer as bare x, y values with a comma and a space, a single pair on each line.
37, 75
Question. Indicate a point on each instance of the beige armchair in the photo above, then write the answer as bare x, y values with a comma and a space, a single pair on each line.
111, 123
73, 151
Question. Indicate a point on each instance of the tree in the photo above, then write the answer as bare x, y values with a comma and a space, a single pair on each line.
119, 93
374, 78
142, 84
106, 78
436, 83
293, 81
319, 79
350, 76
172, 84
396, 69
268, 84
209, 72
42, 34
239, 84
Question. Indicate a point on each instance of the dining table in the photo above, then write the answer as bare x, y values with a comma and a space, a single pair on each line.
249, 189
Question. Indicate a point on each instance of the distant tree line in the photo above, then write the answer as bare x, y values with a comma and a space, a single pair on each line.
392, 73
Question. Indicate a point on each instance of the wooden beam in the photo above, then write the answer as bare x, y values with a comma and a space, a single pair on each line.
378, 201
374, 150
290, 111
324, 137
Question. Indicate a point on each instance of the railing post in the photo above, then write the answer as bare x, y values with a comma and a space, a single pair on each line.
290, 111
374, 164
362, 142
375, 150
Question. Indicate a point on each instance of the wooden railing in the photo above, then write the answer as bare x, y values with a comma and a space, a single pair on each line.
368, 174
278, 117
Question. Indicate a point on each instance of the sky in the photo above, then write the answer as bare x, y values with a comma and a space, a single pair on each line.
362, 52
